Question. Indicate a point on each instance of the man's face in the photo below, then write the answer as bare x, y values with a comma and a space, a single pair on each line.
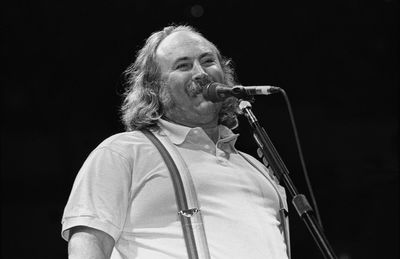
185, 57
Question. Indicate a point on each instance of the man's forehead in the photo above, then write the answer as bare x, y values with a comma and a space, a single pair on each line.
180, 42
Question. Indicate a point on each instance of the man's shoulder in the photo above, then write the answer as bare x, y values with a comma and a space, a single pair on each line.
125, 142
124, 138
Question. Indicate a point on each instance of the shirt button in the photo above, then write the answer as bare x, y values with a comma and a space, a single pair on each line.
207, 146
222, 161
196, 131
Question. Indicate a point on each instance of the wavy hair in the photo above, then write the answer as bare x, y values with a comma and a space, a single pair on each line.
143, 100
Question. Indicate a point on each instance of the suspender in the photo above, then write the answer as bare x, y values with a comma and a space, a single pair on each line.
186, 198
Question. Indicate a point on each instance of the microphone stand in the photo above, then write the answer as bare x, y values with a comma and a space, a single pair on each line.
299, 201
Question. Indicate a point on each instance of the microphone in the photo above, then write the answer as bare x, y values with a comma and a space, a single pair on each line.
217, 92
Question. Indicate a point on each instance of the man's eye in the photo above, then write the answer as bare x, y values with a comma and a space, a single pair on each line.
208, 61
183, 66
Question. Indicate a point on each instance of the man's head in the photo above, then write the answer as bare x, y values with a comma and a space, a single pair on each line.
166, 80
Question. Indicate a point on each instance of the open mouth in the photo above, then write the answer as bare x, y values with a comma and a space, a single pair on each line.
196, 87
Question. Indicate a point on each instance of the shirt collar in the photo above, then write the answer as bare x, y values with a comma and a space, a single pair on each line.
175, 132
178, 133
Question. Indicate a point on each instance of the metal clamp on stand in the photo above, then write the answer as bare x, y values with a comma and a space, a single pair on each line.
300, 202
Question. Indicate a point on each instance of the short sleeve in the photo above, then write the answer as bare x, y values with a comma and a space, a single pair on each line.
100, 195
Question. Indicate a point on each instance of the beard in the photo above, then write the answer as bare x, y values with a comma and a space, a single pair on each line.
197, 86
192, 89
228, 110
165, 97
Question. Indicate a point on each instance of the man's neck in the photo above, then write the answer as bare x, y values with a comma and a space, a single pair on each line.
212, 133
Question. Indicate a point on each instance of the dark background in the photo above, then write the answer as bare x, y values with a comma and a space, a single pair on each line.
337, 61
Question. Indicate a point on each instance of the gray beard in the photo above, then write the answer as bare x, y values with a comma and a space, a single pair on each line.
197, 86
165, 98
193, 89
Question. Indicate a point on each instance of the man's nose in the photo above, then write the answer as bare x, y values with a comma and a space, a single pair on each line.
198, 71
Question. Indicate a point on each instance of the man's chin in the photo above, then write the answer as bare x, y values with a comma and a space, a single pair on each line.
209, 107
201, 98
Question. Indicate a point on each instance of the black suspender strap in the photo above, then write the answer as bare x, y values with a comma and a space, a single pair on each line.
183, 210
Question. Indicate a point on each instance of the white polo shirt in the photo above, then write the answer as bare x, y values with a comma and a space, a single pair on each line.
125, 190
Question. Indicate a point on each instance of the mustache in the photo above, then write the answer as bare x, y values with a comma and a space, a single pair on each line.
196, 86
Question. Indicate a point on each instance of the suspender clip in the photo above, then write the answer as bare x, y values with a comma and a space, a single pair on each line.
189, 213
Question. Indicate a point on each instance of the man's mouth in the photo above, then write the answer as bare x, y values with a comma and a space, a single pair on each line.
196, 87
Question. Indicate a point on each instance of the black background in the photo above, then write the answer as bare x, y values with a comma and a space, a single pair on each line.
337, 61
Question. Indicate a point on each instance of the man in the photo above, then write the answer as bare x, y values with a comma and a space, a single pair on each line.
122, 202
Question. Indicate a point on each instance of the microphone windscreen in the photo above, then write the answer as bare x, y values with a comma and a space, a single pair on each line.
210, 93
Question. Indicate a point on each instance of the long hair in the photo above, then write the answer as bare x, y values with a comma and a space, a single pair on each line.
143, 99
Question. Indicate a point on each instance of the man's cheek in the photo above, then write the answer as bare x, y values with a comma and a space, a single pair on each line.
218, 76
